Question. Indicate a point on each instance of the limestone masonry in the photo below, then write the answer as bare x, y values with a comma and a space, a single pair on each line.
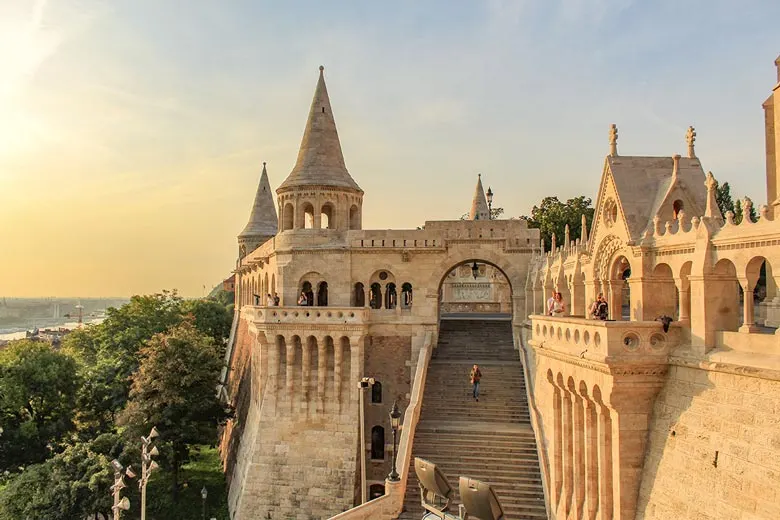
629, 418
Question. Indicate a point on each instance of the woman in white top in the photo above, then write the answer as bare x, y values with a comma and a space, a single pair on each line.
558, 308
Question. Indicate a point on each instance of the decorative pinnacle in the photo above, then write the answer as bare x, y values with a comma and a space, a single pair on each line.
676, 167
264, 164
613, 137
777, 64
321, 69
690, 138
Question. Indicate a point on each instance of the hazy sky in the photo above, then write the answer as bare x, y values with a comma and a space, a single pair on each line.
132, 132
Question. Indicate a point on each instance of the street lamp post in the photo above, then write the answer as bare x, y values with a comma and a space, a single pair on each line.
147, 465
366, 382
120, 503
204, 493
475, 270
490, 202
395, 424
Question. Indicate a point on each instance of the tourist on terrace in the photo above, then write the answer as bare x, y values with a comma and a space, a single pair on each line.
558, 307
475, 376
302, 301
276, 300
269, 300
599, 310
550, 303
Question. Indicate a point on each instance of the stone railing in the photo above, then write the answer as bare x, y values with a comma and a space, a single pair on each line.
307, 315
601, 340
389, 505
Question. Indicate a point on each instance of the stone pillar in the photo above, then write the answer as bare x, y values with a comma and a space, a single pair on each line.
615, 299
338, 351
305, 373
317, 220
290, 371
578, 455
684, 303
568, 456
556, 469
356, 348
322, 363
274, 349
748, 307
605, 509
591, 458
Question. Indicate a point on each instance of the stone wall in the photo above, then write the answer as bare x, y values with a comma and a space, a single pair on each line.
386, 361
714, 447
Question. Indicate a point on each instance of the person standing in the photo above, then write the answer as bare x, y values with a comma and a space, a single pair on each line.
269, 300
599, 310
550, 303
558, 306
476, 376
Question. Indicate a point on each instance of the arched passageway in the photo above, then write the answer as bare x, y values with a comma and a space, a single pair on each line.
474, 287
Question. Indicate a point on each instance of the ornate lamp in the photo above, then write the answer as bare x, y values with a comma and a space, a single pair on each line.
395, 424
475, 270
490, 202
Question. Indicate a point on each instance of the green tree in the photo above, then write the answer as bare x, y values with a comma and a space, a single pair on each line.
68, 486
108, 355
210, 317
174, 389
38, 388
552, 215
495, 213
726, 203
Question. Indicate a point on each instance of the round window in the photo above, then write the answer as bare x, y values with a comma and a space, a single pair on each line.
383, 275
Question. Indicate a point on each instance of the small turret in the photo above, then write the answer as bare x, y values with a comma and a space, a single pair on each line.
263, 221
479, 205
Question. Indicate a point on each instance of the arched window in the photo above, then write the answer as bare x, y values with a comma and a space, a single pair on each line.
376, 296
288, 217
376, 393
406, 295
378, 443
359, 296
308, 292
308, 216
391, 296
354, 217
678, 206
326, 217
376, 491
322, 294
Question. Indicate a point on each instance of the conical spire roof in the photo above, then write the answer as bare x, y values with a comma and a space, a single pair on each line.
479, 207
262, 220
320, 161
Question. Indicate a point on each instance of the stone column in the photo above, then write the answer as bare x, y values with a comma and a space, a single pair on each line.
578, 455
338, 351
356, 350
606, 493
305, 373
568, 456
317, 220
272, 386
322, 363
591, 458
684, 303
290, 371
556, 468
748, 309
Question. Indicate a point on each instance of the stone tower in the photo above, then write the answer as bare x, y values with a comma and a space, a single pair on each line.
319, 193
263, 221
479, 206
772, 125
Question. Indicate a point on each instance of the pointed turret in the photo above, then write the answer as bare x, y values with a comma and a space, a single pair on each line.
320, 160
479, 206
584, 230
263, 221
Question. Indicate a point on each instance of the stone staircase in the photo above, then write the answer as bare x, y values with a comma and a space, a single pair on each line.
490, 440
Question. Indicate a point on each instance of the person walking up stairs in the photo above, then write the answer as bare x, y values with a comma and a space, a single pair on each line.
491, 440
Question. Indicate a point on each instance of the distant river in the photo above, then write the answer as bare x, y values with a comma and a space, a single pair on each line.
20, 333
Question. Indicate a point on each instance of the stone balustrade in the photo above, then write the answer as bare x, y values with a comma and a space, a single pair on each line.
307, 315
599, 340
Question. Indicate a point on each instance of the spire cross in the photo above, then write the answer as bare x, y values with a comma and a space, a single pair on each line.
613, 136
690, 137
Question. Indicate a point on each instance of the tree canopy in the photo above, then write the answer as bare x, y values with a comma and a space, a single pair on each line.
38, 388
551, 217
726, 203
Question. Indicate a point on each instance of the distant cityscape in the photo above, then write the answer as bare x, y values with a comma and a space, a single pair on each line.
21, 317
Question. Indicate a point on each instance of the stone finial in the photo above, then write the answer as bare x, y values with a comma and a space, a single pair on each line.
566, 239
695, 222
675, 167
552, 249
541, 245
681, 222
613, 137
668, 227
777, 64
584, 230
712, 200
730, 218
690, 138
657, 225
763, 211
747, 209
322, 69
